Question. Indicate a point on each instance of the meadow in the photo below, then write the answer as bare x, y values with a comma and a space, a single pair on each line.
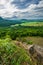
32, 24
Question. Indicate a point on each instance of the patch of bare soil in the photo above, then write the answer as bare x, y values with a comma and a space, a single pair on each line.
36, 40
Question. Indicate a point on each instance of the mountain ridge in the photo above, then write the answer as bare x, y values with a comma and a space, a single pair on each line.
7, 22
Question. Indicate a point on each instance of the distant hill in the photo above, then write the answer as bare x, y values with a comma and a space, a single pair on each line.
1, 18
6, 22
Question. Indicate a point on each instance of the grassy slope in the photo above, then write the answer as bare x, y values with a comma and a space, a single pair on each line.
12, 54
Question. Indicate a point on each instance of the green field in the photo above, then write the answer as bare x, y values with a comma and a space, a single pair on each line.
31, 24
22, 30
12, 53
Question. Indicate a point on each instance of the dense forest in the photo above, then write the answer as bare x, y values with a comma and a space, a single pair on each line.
21, 31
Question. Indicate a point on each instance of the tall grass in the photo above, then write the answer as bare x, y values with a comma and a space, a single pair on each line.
11, 54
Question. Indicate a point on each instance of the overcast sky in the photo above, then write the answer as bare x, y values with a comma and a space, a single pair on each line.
21, 9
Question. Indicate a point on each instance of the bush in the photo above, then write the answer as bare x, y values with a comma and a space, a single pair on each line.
29, 42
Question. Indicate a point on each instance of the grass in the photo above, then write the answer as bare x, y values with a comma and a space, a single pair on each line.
11, 54
32, 24
30, 42
24, 40
27, 29
35, 40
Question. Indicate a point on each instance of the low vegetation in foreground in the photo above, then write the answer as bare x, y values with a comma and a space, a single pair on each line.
12, 54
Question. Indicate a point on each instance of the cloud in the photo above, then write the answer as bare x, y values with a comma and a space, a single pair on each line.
24, 3
6, 9
34, 11
21, 9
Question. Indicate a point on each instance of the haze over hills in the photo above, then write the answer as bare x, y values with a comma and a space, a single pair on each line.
7, 22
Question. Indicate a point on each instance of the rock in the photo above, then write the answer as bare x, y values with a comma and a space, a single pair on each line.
36, 53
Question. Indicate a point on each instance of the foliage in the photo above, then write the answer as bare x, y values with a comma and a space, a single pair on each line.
21, 31
29, 42
11, 54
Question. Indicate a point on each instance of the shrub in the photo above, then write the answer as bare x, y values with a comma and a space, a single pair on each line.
29, 42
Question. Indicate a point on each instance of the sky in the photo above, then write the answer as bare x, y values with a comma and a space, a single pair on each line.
21, 9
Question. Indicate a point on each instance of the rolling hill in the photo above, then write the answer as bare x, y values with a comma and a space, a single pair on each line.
6, 22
